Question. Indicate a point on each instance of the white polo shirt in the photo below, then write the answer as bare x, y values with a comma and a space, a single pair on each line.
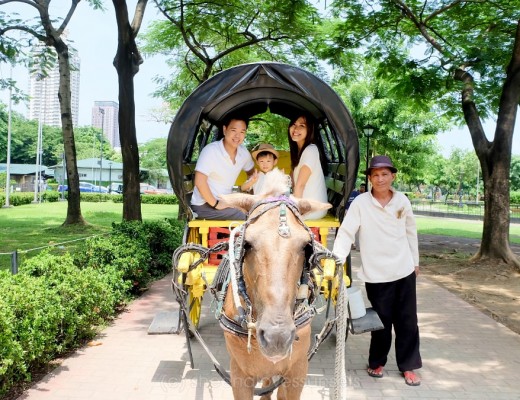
387, 237
222, 173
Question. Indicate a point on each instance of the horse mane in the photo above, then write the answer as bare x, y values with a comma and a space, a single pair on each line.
276, 183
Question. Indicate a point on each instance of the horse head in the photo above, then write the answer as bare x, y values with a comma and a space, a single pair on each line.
274, 261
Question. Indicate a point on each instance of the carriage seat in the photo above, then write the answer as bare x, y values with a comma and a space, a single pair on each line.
208, 232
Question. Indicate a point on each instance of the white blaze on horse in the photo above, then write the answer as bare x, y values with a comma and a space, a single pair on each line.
271, 271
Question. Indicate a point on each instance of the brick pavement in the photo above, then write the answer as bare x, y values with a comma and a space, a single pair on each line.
465, 353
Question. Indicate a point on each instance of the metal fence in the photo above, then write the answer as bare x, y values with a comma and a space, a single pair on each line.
454, 209
15, 255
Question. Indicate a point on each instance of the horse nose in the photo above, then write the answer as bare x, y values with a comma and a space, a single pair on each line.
276, 340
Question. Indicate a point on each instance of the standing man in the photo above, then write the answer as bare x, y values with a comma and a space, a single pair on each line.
356, 193
390, 264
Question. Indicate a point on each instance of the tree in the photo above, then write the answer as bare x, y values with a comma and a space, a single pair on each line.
52, 38
153, 158
515, 173
470, 62
126, 62
206, 37
403, 130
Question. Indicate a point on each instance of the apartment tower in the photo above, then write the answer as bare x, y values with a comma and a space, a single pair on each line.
105, 116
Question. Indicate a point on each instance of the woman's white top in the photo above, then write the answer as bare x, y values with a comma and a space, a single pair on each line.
315, 187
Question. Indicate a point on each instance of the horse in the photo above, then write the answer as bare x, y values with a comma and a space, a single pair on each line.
266, 341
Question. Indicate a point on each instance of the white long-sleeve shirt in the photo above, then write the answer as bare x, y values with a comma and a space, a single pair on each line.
387, 237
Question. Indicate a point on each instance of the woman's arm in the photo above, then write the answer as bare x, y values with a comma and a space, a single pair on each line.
303, 178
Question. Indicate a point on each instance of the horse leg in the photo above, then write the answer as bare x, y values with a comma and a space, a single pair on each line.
292, 388
265, 383
243, 386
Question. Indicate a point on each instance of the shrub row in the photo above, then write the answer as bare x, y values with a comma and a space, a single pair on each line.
56, 302
19, 199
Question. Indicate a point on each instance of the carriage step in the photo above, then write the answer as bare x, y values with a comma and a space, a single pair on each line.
164, 322
370, 322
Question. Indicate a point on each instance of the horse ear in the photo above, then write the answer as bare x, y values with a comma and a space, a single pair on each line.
242, 201
306, 206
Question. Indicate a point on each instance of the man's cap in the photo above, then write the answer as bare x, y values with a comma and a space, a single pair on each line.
264, 147
381, 162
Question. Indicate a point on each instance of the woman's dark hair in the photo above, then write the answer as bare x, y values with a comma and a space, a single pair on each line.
309, 139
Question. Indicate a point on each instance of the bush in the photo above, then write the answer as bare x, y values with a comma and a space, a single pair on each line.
51, 197
140, 250
50, 307
515, 198
159, 199
56, 302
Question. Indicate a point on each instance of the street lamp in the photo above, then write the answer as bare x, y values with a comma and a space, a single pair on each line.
63, 176
37, 174
110, 177
102, 111
8, 165
368, 130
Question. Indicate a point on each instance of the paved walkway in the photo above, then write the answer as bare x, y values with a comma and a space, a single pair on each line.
465, 353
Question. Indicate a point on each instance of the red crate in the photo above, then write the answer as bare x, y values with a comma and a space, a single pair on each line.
217, 235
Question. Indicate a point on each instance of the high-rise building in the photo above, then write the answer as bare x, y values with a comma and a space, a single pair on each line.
105, 116
43, 92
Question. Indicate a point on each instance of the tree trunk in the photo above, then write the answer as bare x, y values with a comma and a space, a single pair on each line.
495, 235
126, 62
495, 159
73, 201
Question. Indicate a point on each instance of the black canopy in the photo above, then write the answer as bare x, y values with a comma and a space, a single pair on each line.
252, 89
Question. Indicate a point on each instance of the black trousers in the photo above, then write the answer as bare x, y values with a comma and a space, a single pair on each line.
396, 304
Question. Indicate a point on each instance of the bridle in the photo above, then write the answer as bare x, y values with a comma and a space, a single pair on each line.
243, 324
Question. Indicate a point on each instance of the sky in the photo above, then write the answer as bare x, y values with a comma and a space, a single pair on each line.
94, 35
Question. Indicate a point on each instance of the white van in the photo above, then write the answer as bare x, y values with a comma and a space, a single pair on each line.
115, 188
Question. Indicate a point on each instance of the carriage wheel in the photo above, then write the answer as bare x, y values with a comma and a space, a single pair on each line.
193, 298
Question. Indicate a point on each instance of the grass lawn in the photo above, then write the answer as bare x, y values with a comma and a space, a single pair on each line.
459, 228
37, 225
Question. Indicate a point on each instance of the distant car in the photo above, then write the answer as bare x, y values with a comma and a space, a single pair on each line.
85, 187
91, 188
150, 189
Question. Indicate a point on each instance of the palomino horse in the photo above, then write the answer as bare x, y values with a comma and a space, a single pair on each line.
270, 272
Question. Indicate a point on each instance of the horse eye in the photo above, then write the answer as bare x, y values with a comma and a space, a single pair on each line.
247, 246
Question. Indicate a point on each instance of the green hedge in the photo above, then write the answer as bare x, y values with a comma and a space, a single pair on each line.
515, 197
56, 302
19, 199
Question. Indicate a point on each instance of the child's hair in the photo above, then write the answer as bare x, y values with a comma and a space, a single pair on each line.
265, 154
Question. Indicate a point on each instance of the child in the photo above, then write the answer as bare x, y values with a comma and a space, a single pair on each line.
267, 158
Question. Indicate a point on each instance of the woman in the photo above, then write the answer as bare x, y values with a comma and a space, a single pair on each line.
308, 178
217, 169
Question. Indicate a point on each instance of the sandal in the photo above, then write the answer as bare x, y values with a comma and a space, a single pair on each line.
411, 378
375, 372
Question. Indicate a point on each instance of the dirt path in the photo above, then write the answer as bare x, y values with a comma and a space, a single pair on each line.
493, 288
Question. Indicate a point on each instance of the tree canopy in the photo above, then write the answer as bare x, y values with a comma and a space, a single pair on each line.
204, 38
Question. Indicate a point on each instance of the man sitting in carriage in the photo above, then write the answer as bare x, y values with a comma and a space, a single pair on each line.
217, 169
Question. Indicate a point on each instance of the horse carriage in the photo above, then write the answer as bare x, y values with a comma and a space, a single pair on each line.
221, 256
